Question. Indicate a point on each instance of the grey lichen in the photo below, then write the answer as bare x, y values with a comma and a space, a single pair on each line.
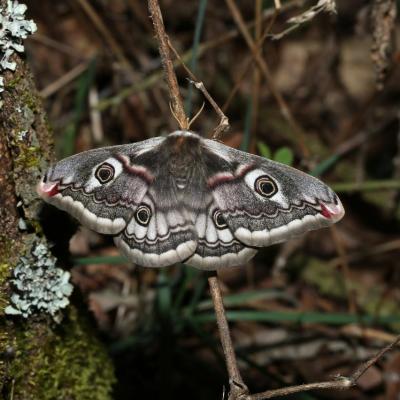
39, 286
13, 28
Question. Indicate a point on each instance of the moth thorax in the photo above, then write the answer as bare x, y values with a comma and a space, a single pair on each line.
181, 174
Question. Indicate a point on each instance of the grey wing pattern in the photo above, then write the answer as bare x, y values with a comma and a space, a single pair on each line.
216, 245
188, 199
161, 233
101, 187
265, 202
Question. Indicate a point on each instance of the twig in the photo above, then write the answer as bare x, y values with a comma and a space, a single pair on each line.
340, 383
237, 386
322, 6
344, 266
64, 80
153, 78
58, 46
369, 251
261, 63
104, 31
249, 62
223, 125
162, 38
195, 47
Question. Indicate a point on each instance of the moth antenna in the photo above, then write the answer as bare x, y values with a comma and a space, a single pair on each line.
196, 116
185, 125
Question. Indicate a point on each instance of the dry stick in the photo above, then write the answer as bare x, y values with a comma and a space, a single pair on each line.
223, 125
394, 245
153, 78
108, 37
236, 382
64, 80
284, 108
237, 386
256, 72
58, 46
340, 383
249, 62
351, 298
174, 93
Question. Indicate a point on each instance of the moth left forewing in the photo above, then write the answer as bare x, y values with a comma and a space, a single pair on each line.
100, 187
265, 202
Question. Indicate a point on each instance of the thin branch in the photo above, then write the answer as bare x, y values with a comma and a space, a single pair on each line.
162, 38
261, 63
152, 79
64, 80
105, 32
340, 383
237, 386
345, 268
223, 125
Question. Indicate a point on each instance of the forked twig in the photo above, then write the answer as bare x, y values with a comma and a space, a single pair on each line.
339, 383
223, 125
239, 390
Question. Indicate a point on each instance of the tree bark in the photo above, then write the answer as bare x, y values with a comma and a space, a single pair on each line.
39, 359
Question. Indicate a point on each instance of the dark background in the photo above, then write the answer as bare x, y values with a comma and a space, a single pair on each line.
303, 311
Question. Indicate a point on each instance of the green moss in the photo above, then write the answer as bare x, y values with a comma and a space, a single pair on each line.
30, 158
30, 100
8, 249
67, 364
12, 83
4, 272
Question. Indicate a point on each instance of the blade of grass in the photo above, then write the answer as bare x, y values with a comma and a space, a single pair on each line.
112, 260
84, 83
190, 275
324, 165
247, 297
164, 297
195, 51
197, 292
388, 184
247, 125
300, 317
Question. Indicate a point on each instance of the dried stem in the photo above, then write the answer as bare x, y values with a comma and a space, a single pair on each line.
223, 125
105, 32
264, 68
340, 383
162, 38
237, 386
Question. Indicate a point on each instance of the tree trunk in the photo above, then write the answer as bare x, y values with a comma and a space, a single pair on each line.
39, 358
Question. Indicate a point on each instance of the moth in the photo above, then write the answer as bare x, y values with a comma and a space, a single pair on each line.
183, 198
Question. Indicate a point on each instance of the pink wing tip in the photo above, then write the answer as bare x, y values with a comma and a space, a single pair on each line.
47, 189
335, 212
